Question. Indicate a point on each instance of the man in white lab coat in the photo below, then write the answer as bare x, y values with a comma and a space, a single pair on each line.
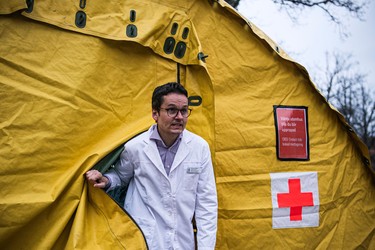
170, 177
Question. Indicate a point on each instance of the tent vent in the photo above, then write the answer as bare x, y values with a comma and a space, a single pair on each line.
80, 19
366, 161
195, 100
30, 6
350, 129
202, 56
169, 45
82, 4
180, 50
174, 28
185, 33
131, 30
277, 49
132, 16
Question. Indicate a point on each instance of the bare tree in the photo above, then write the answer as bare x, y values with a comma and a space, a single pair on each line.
365, 120
331, 7
344, 87
344, 84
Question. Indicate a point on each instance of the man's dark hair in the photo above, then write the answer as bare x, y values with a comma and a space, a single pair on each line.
161, 91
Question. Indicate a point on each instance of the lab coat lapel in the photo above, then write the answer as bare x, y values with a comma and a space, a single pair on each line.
153, 155
182, 152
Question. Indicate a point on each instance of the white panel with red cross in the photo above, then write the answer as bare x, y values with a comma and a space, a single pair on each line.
295, 199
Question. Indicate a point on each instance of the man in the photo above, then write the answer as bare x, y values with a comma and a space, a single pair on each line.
170, 177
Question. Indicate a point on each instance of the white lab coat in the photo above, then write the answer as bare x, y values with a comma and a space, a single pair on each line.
163, 206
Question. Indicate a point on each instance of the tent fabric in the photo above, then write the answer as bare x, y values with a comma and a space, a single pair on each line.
7, 7
70, 96
109, 21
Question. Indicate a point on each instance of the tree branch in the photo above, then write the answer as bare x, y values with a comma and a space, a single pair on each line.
354, 7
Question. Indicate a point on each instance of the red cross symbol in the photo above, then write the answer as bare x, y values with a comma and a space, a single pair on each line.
295, 200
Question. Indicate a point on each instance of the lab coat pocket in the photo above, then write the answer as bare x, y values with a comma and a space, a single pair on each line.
147, 227
191, 176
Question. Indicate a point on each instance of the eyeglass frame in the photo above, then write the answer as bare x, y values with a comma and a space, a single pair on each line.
178, 111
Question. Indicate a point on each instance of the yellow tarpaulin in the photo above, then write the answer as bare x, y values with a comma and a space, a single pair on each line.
76, 79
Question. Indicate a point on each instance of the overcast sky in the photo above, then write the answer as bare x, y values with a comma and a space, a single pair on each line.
308, 40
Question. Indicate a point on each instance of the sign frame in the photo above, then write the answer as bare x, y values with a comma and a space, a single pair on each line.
284, 154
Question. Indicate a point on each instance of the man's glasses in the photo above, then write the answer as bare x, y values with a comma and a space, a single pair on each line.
173, 112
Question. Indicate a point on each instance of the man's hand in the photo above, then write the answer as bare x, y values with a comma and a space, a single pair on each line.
96, 178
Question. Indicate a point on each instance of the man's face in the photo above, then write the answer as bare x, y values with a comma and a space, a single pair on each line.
170, 127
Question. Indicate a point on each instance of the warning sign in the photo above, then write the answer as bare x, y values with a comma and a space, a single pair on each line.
292, 140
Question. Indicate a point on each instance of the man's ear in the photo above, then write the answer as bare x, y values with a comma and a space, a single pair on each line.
155, 115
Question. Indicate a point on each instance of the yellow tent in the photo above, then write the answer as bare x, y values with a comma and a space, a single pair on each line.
76, 79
